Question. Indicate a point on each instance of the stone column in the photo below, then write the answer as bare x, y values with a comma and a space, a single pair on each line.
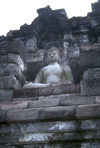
11, 68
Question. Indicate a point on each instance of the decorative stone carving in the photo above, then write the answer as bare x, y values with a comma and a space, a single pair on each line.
31, 45
90, 84
53, 72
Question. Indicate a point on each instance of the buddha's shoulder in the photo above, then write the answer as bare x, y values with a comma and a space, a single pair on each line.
66, 67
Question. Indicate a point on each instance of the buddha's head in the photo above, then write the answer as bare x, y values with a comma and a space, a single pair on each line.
52, 55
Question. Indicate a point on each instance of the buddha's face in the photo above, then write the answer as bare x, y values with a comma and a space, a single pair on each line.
52, 55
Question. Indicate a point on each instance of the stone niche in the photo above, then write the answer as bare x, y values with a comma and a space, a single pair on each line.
60, 115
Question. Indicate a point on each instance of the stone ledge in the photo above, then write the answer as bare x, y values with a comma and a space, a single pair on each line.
88, 144
61, 88
65, 145
50, 101
22, 115
51, 126
88, 111
77, 100
36, 98
37, 138
7, 146
13, 105
44, 103
39, 114
57, 113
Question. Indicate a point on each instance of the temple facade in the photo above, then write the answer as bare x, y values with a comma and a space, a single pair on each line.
57, 116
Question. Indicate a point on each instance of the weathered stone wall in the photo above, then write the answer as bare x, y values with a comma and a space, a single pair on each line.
57, 116
11, 68
51, 121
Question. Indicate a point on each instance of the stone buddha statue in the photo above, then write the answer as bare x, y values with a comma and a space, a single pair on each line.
52, 73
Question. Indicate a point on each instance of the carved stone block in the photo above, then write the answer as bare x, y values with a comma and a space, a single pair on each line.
9, 82
15, 59
90, 84
11, 47
59, 113
22, 115
88, 112
14, 70
6, 95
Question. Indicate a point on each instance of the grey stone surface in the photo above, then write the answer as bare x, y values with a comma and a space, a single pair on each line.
43, 103
6, 146
2, 116
62, 96
59, 88
22, 115
73, 52
29, 130
57, 113
6, 95
13, 105
66, 145
90, 84
15, 70
97, 99
98, 124
31, 45
90, 47
5, 139
12, 58
15, 59
89, 124
12, 47
88, 112
51, 113
4, 129
85, 61
51, 132
9, 82
35, 56
90, 145
53, 126
77, 100
12, 69
36, 127
54, 137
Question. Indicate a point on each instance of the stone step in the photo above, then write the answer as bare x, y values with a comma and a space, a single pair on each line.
60, 96
31, 133
61, 144
39, 138
65, 113
51, 126
49, 101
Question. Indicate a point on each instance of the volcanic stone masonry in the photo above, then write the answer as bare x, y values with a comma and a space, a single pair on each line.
56, 116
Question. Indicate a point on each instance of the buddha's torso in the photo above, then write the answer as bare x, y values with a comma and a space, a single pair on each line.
52, 73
